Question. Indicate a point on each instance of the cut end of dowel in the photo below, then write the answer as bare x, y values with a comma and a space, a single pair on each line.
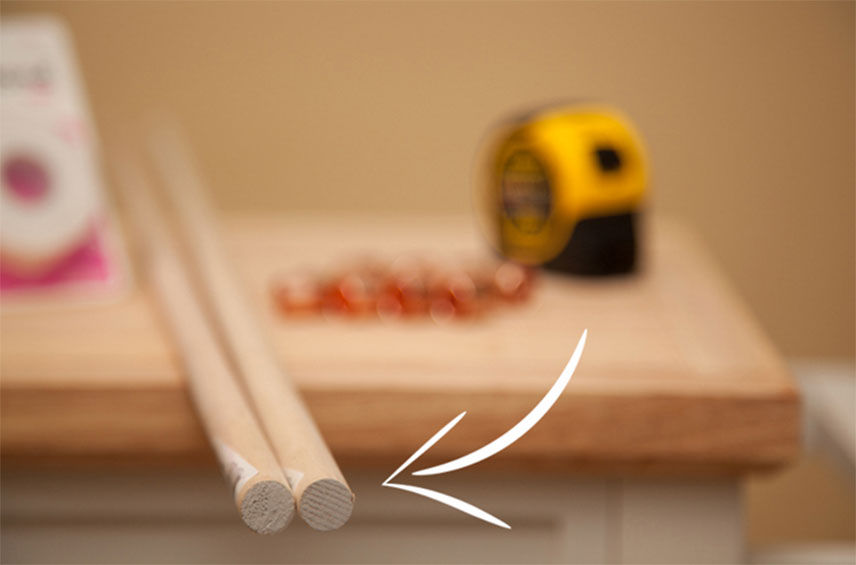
326, 504
267, 507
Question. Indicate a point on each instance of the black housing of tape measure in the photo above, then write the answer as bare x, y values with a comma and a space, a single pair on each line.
599, 246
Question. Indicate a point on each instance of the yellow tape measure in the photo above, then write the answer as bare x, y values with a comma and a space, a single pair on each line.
564, 188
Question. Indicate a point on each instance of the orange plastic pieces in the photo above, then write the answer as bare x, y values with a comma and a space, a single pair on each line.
405, 288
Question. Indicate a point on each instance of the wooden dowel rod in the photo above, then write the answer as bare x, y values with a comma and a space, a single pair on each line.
324, 499
260, 489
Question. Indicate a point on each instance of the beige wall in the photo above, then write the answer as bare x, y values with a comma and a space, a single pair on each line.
748, 110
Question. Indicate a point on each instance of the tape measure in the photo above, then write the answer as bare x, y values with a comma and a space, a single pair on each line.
564, 189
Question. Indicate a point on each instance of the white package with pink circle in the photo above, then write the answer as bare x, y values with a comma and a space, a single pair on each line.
58, 238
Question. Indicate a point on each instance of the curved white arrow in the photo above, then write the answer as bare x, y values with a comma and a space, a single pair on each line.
488, 450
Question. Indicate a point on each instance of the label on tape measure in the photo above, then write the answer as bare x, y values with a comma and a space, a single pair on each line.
525, 192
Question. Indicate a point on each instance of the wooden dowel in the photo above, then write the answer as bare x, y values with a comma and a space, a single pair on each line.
324, 499
261, 491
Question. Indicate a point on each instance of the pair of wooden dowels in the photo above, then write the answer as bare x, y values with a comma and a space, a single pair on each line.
264, 437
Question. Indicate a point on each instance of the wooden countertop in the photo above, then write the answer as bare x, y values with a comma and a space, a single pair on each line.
676, 376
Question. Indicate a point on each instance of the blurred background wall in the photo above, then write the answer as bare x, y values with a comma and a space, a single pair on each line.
748, 110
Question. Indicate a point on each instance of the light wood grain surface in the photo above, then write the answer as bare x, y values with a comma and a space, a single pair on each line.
676, 376
263, 496
321, 493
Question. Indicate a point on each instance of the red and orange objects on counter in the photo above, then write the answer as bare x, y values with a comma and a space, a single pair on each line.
405, 288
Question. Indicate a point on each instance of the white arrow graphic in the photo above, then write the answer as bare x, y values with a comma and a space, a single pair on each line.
488, 450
